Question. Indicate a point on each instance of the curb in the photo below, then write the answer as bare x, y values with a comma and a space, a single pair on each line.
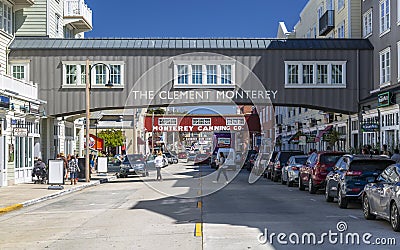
55, 195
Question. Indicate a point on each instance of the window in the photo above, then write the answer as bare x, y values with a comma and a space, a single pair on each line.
320, 10
308, 74
6, 17
57, 23
115, 74
367, 23
384, 16
226, 74
74, 74
330, 5
18, 71
183, 74
235, 121
315, 74
384, 63
211, 74
167, 121
337, 73
201, 121
398, 12
322, 74
398, 61
340, 4
220, 75
71, 74
293, 74
197, 74
341, 30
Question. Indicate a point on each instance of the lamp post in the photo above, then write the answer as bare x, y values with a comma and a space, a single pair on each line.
87, 94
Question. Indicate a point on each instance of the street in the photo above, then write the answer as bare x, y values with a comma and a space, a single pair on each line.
131, 214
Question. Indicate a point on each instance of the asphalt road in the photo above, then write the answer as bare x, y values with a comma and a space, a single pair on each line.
132, 214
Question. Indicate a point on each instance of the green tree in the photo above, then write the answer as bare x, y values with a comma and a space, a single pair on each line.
157, 111
333, 138
112, 138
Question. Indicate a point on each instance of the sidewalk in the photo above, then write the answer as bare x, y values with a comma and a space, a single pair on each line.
22, 195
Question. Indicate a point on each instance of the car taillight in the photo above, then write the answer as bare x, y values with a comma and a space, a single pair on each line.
295, 168
278, 165
320, 168
353, 173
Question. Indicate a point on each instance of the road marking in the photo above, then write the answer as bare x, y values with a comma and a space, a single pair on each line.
199, 204
10, 208
313, 199
354, 217
199, 229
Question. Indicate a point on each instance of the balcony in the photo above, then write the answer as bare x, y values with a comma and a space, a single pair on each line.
18, 88
327, 22
78, 14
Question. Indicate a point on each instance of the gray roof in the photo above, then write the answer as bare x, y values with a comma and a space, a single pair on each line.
30, 43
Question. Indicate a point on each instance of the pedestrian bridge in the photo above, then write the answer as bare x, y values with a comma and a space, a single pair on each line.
325, 74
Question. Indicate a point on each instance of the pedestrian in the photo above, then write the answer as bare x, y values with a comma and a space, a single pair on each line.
221, 167
92, 158
396, 156
158, 162
73, 170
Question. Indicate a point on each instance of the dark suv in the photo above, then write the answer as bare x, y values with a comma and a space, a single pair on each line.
350, 175
317, 166
281, 160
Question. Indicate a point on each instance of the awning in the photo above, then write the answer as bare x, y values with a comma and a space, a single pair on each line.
322, 132
140, 141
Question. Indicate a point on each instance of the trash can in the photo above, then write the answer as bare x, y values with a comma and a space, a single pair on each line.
82, 173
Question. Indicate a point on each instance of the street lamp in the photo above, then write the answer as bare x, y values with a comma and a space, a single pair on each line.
87, 93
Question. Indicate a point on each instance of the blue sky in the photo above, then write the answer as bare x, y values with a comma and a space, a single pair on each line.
189, 18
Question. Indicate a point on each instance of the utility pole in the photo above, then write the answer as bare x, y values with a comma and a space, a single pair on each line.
87, 93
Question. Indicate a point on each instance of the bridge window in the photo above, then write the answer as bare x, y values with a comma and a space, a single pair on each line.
74, 74
167, 121
319, 74
211, 74
218, 75
201, 121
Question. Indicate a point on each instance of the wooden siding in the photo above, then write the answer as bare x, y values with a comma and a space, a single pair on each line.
31, 21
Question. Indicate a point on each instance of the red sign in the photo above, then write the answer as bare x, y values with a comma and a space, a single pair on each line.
95, 142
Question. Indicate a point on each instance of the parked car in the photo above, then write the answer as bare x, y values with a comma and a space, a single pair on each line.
350, 175
270, 164
290, 172
251, 161
134, 164
182, 156
260, 163
317, 167
191, 156
250, 154
381, 197
172, 159
280, 161
202, 159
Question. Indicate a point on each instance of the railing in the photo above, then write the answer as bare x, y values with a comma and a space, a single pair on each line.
326, 22
19, 87
78, 8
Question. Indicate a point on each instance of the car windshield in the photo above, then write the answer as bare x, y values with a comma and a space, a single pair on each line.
329, 158
300, 160
284, 157
202, 155
369, 165
133, 158
167, 154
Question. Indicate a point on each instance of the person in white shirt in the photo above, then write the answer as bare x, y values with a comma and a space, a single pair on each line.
158, 162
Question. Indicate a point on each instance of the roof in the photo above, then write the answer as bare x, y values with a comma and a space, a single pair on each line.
30, 43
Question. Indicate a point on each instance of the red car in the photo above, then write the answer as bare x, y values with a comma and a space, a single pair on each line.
202, 159
317, 167
182, 155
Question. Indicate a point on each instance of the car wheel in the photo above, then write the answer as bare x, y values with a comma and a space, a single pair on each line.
289, 183
395, 217
282, 181
367, 209
328, 198
301, 186
342, 201
275, 177
311, 188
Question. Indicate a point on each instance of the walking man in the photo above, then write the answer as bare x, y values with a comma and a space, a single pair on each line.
221, 167
158, 162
